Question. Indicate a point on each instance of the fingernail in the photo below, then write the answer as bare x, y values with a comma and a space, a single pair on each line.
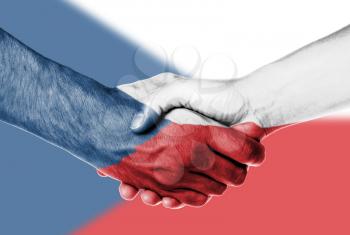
137, 121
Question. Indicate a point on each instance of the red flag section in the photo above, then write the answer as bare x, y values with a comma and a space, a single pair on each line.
302, 188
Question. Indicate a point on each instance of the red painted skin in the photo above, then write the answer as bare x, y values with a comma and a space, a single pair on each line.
302, 188
191, 162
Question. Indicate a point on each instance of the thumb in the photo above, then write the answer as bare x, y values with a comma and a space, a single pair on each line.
145, 120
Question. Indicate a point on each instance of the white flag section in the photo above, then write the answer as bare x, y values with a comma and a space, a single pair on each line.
220, 39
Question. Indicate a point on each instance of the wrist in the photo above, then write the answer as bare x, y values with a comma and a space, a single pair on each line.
258, 95
101, 126
243, 110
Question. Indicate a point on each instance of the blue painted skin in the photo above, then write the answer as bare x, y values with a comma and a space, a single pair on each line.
59, 199
66, 108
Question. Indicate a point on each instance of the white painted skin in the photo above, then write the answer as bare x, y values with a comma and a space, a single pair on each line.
140, 91
143, 89
309, 83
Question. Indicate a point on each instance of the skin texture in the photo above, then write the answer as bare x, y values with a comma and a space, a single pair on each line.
141, 90
173, 166
309, 83
149, 197
91, 121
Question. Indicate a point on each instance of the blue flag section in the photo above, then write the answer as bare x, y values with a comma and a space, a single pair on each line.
73, 194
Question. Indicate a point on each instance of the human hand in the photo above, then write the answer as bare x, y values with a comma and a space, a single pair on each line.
149, 197
186, 163
220, 100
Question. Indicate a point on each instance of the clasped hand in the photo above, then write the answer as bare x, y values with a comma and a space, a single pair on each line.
191, 158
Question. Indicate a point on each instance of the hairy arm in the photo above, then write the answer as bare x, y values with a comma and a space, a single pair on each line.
64, 107
92, 121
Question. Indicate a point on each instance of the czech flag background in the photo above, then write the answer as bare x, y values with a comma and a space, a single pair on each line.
302, 188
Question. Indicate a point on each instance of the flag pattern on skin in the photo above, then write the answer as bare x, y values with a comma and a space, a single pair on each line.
73, 194
164, 155
302, 188
180, 122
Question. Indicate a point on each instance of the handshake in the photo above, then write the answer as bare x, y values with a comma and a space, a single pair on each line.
190, 157
176, 141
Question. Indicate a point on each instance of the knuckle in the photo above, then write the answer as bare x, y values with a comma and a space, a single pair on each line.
231, 181
214, 188
257, 154
240, 177
230, 178
236, 177
220, 189
254, 152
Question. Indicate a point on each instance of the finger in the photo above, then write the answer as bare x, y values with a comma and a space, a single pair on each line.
202, 183
226, 171
144, 120
172, 203
128, 192
150, 198
250, 129
162, 101
189, 197
235, 145
256, 132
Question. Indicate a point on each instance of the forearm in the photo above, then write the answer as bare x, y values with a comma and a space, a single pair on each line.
62, 106
311, 82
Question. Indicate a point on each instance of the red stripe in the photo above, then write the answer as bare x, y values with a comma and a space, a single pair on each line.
164, 145
302, 188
